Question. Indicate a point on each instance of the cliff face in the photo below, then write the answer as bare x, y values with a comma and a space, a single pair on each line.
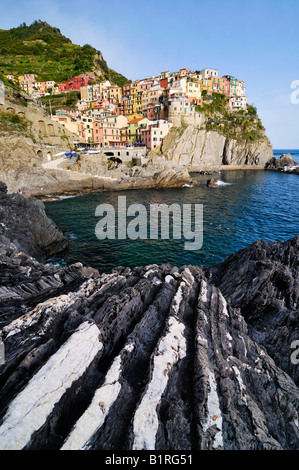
199, 149
25, 224
156, 357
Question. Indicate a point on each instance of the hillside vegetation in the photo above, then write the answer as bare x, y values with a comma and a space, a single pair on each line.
242, 125
42, 49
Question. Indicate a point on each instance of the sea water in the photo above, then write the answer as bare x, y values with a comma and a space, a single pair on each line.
244, 207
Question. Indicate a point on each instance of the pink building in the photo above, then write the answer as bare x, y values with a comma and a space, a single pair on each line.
154, 134
109, 132
75, 83
145, 85
150, 113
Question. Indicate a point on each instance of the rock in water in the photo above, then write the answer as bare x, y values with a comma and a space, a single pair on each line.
284, 160
153, 358
212, 182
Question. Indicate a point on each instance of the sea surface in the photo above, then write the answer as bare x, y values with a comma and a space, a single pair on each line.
245, 206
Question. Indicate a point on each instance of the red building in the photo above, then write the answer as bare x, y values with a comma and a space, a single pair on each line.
75, 83
164, 82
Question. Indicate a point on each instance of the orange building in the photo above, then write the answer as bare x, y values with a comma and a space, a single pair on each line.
218, 85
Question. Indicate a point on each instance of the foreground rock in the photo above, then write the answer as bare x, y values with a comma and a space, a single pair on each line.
26, 225
153, 358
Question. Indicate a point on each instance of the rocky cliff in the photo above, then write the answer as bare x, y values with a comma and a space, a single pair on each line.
155, 357
26, 225
199, 149
263, 282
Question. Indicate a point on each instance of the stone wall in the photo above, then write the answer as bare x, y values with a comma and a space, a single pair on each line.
42, 128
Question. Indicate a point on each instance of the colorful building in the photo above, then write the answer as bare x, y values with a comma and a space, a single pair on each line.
150, 99
193, 89
114, 94
237, 103
219, 85
135, 126
75, 83
152, 136
110, 131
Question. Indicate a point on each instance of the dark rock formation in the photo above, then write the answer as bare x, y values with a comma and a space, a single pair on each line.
284, 160
155, 358
263, 281
25, 282
284, 163
25, 223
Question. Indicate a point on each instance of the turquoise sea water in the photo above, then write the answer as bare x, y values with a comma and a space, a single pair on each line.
246, 206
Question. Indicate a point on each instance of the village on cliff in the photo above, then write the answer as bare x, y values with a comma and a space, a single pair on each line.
140, 113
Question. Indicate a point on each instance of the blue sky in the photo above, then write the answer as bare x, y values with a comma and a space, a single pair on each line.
256, 41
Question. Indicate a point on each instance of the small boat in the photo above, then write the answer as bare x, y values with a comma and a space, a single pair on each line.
93, 151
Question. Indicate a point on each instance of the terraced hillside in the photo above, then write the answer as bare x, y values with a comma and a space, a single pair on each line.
42, 49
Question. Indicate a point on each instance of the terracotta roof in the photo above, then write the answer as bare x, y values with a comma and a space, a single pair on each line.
136, 120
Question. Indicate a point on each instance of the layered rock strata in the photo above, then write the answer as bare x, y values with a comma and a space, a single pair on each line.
152, 358
263, 282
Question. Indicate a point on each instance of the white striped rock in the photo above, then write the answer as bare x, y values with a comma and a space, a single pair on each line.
153, 358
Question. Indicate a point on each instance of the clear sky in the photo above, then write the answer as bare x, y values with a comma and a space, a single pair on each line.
256, 41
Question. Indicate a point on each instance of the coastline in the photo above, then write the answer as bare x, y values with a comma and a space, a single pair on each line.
100, 184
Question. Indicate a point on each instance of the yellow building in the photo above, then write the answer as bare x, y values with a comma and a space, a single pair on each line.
205, 85
193, 89
114, 94
135, 126
134, 107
